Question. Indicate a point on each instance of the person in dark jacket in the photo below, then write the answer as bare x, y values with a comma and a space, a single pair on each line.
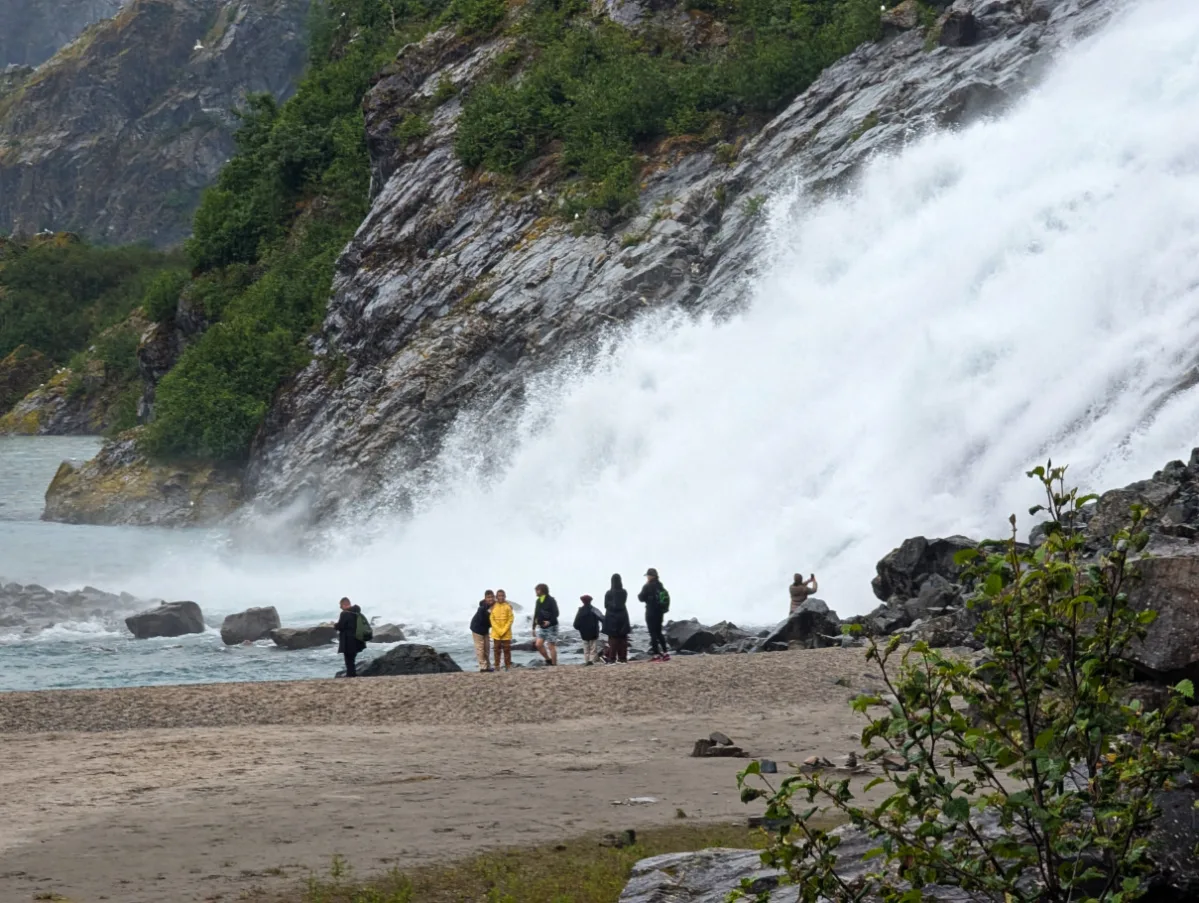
587, 623
480, 628
655, 597
348, 643
545, 624
616, 620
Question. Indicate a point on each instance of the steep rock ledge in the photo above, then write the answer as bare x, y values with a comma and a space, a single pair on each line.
454, 292
119, 132
119, 486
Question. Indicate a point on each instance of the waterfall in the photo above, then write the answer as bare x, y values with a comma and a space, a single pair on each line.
977, 302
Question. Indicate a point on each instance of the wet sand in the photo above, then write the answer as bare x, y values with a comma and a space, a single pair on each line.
200, 793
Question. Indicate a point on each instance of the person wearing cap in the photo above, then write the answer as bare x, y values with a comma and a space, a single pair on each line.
657, 603
587, 623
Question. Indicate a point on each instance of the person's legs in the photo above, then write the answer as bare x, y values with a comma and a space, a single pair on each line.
553, 647
589, 651
622, 648
507, 655
480, 650
654, 625
539, 645
497, 647
351, 664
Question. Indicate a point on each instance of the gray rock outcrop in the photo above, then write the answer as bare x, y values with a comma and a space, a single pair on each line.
409, 658
811, 626
121, 486
303, 637
705, 876
454, 292
249, 625
167, 620
690, 636
33, 608
387, 633
121, 153
34, 30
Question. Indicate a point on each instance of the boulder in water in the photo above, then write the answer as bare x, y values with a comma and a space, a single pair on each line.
409, 658
690, 636
168, 619
303, 637
387, 633
249, 625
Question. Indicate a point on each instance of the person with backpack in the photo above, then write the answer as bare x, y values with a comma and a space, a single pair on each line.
616, 621
657, 603
587, 623
545, 624
480, 628
502, 618
353, 632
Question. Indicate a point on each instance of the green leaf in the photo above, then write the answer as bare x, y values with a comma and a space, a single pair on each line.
1045, 739
1186, 688
957, 809
965, 556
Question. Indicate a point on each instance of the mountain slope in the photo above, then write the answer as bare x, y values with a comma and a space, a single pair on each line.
116, 136
34, 30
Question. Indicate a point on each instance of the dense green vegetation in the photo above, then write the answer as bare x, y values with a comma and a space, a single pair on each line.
57, 294
267, 234
600, 92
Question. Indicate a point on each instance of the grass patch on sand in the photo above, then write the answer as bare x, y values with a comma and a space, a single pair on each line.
574, 871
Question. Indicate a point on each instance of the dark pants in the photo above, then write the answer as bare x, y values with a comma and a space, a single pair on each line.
620, 648
657, 641
351, 665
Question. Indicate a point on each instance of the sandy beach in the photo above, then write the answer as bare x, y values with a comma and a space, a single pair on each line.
200, 793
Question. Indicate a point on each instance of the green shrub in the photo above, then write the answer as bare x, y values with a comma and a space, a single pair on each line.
117, 350
267, 234
162, 295
600, 92
411, 128
1038, 736
57, 296
476, 17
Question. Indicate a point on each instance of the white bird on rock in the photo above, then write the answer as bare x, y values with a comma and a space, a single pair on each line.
199, 46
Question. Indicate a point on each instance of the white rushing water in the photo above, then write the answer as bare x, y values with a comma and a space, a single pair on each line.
986, 298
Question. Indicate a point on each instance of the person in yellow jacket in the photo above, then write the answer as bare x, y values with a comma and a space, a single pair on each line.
502, 617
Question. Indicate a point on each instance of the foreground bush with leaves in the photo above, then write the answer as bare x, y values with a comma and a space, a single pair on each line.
1025, 776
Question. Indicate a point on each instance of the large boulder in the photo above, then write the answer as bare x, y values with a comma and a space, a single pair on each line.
1172, 843
249, 625
705, 876
387, 633
122, 486
811, 626
937, 597
409, 658
728, 633
1168, 583
303, 637
168, 619
691, 636
903, 571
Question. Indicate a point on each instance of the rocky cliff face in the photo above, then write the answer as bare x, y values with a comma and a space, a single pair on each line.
454, 292
117, 135
34, 30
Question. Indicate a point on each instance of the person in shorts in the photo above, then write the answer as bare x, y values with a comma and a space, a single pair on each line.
545, 624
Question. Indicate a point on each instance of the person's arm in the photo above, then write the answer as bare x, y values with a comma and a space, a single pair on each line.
812, 581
